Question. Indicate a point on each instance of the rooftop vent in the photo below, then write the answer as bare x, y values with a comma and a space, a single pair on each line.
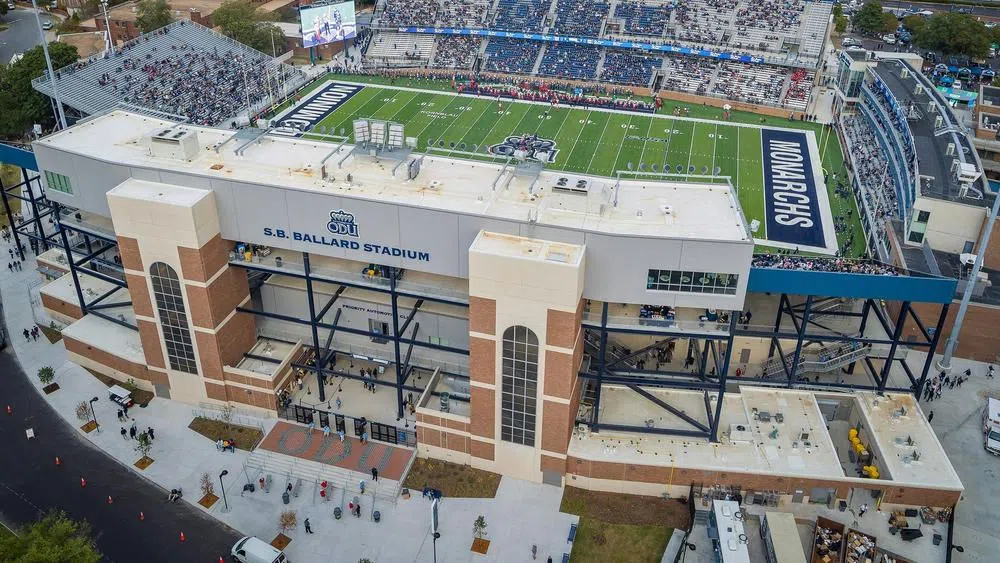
566, 185
174, 143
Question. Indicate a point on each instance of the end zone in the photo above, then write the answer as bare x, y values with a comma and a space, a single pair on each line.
298, 118
796, 202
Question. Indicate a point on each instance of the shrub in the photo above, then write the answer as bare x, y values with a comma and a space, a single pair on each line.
288, 520
83, 411
207, 486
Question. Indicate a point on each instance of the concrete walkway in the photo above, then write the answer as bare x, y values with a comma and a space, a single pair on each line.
182, 456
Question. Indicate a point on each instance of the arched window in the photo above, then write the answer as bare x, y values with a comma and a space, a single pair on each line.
173, 318
519, 386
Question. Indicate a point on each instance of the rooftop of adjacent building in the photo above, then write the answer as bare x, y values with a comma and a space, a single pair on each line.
179, 9
88, 43
645, 207
934, 162
804, 443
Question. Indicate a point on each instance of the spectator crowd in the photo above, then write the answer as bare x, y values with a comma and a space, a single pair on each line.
817, 264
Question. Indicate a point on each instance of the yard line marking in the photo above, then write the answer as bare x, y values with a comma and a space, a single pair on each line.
739, 157
569, 154
466, 134
620, 145
715, 148
591, 165
694, 129
642, 153
454, 121
404, 106
434, 120
492, 127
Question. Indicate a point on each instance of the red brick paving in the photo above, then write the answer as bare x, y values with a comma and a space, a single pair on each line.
296, 441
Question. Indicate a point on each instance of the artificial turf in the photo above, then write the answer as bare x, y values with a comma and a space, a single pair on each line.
592, 141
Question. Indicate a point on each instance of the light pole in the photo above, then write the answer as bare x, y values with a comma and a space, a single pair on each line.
224, 501
93, 413
60, 115
107, 26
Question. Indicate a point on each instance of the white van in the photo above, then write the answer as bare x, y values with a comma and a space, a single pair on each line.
255, 550
991, 426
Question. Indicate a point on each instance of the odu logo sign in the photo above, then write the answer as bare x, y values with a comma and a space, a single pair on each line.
342, 223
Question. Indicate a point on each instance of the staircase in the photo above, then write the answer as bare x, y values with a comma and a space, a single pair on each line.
538, 60
615, 351
823, 360
282, 469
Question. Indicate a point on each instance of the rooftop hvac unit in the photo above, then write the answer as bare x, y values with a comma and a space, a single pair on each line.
175, 143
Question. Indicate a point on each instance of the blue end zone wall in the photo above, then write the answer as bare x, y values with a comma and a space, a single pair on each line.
17, 157
791, 202
832, 284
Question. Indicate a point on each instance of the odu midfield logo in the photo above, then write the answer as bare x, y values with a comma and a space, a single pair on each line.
342, 223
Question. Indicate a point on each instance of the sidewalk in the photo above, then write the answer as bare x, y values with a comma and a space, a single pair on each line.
182, 456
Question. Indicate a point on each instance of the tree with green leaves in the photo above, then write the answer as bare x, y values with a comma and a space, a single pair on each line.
243, 22
152, 15
21, 106
869, 18
53, 538
3, 8
889, 22
955, 34
915, 24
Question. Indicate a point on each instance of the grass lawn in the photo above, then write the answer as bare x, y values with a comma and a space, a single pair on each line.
621, 528
451, 479
595, 142
246, 437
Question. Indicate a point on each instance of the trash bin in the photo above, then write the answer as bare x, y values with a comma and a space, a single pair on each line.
284, 497
337, 513
376, 516
843, 506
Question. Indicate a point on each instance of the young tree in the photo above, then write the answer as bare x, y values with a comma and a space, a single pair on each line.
54, 538
226, 416
153, 14
3, 8
207, 486
914, 23
83, 411
143, 444
288, 520
889, 22
46, 375
840, 23
21, 106
869, 18
479, 526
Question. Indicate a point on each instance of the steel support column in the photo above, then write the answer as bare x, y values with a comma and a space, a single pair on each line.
602, 359
723, 375
777, 325
792, 372
394, 300
10, 220
904, 311
72, 266
930, 353
320, 378
865, 310
40, 230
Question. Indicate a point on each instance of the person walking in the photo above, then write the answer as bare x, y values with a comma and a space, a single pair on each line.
862, 510
120, 417
989, 372
374, 473
124, 434
309, 529
132, 432
930, 416
149, 431
125, 411
27, 335
341, 434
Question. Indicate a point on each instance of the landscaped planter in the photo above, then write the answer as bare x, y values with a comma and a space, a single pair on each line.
50, 388
144, 462
89, 427
480, 545
208, 500
281, 541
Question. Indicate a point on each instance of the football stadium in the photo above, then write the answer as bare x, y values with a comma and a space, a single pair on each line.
685, 248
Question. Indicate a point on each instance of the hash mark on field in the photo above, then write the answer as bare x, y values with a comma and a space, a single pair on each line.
591, 164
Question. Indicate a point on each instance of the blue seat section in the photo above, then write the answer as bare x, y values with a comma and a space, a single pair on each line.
575, 62
511, 55
582, 18
626, 68
643, 19
521, 15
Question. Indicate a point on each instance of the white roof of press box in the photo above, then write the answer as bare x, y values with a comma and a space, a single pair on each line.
528, 248
646, 207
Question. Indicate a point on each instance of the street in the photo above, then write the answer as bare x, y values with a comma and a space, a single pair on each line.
31, 484
22, 32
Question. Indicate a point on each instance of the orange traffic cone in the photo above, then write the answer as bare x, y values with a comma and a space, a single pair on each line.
58, 461
83, 482
142, 516
182, 537
109, 499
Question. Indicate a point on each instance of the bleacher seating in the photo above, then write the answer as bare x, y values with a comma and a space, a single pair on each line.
511, 55
466, 13
521, 15
643, 19
181, 69
581, 18
400, 49
574, 62
799, 85
689, 74
455, 51
419, 13
703, 22
753, 83
623, 67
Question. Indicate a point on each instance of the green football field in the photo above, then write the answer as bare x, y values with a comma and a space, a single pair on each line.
587, 141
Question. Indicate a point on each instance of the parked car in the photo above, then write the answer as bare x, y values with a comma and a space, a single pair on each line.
850, 42
889, 39
47, 25
254, 550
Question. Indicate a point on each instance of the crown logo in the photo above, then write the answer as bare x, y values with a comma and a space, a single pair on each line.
342, 223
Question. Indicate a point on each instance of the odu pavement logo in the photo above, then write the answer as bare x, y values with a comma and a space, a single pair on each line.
539, 150
342, 223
